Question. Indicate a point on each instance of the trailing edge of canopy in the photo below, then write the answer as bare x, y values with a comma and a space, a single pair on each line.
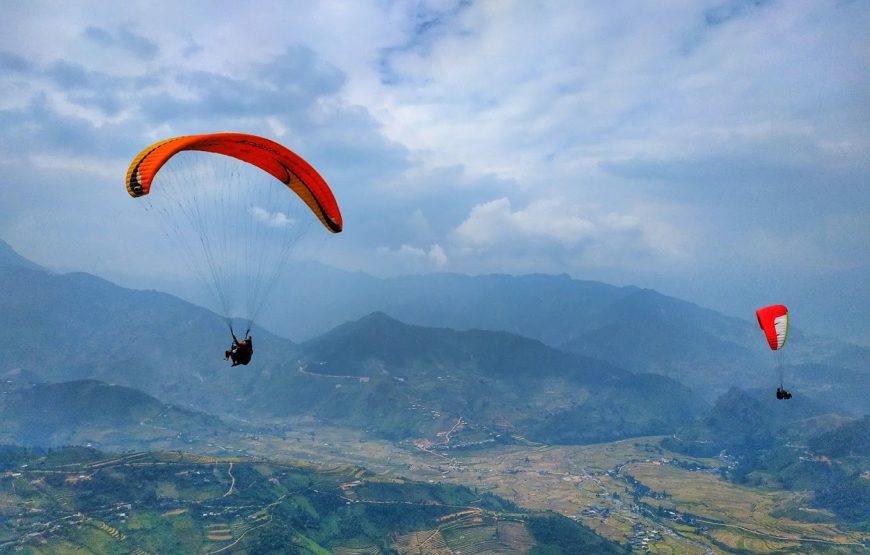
286, 166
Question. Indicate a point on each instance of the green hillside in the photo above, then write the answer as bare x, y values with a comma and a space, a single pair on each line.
84, 501
792, 446
93, 412
77, 326
411, 382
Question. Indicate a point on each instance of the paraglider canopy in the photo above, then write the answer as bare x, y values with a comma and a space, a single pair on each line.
285, 165
774, 322
234, 205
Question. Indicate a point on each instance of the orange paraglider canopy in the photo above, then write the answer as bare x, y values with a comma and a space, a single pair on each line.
286, 166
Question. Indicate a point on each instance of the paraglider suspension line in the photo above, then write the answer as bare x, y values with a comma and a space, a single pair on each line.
779, 369
233, 332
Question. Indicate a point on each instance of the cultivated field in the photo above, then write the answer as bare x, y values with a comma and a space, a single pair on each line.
691, 509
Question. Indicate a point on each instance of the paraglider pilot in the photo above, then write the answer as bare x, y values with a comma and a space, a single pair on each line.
782, 394
241, 351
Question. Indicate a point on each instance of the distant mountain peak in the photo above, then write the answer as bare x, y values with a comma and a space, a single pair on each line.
375, 326
8, 257
737, 403
373, 320
378, 316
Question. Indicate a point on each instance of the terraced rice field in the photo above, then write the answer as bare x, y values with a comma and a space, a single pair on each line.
469, 533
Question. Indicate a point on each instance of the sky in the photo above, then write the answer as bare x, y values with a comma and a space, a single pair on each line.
715, 150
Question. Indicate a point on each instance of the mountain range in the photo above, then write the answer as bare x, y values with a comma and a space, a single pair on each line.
404, 381
637, 329
637, 363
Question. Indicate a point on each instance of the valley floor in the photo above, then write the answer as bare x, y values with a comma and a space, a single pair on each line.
631, 491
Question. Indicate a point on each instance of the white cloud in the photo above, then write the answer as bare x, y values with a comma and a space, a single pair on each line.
416, 258
271, 219
561, 229
541, 87
547, 219
65, 165
437, 255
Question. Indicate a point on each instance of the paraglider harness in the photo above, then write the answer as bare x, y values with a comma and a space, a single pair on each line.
241, 351
782, 394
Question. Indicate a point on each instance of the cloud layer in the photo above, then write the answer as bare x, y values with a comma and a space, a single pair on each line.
700, 148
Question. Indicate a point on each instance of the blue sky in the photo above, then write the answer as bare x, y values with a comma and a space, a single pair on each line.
717, 151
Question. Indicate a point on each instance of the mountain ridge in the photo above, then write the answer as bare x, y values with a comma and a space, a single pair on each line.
499, 384
638, 329
94, 412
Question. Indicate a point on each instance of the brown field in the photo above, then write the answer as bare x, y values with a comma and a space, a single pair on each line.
175, 512
470, 536
709, 497
368, 550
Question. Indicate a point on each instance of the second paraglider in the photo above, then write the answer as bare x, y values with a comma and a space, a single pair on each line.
774, 322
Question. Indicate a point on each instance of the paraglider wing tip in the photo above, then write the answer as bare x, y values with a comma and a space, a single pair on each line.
334, 226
